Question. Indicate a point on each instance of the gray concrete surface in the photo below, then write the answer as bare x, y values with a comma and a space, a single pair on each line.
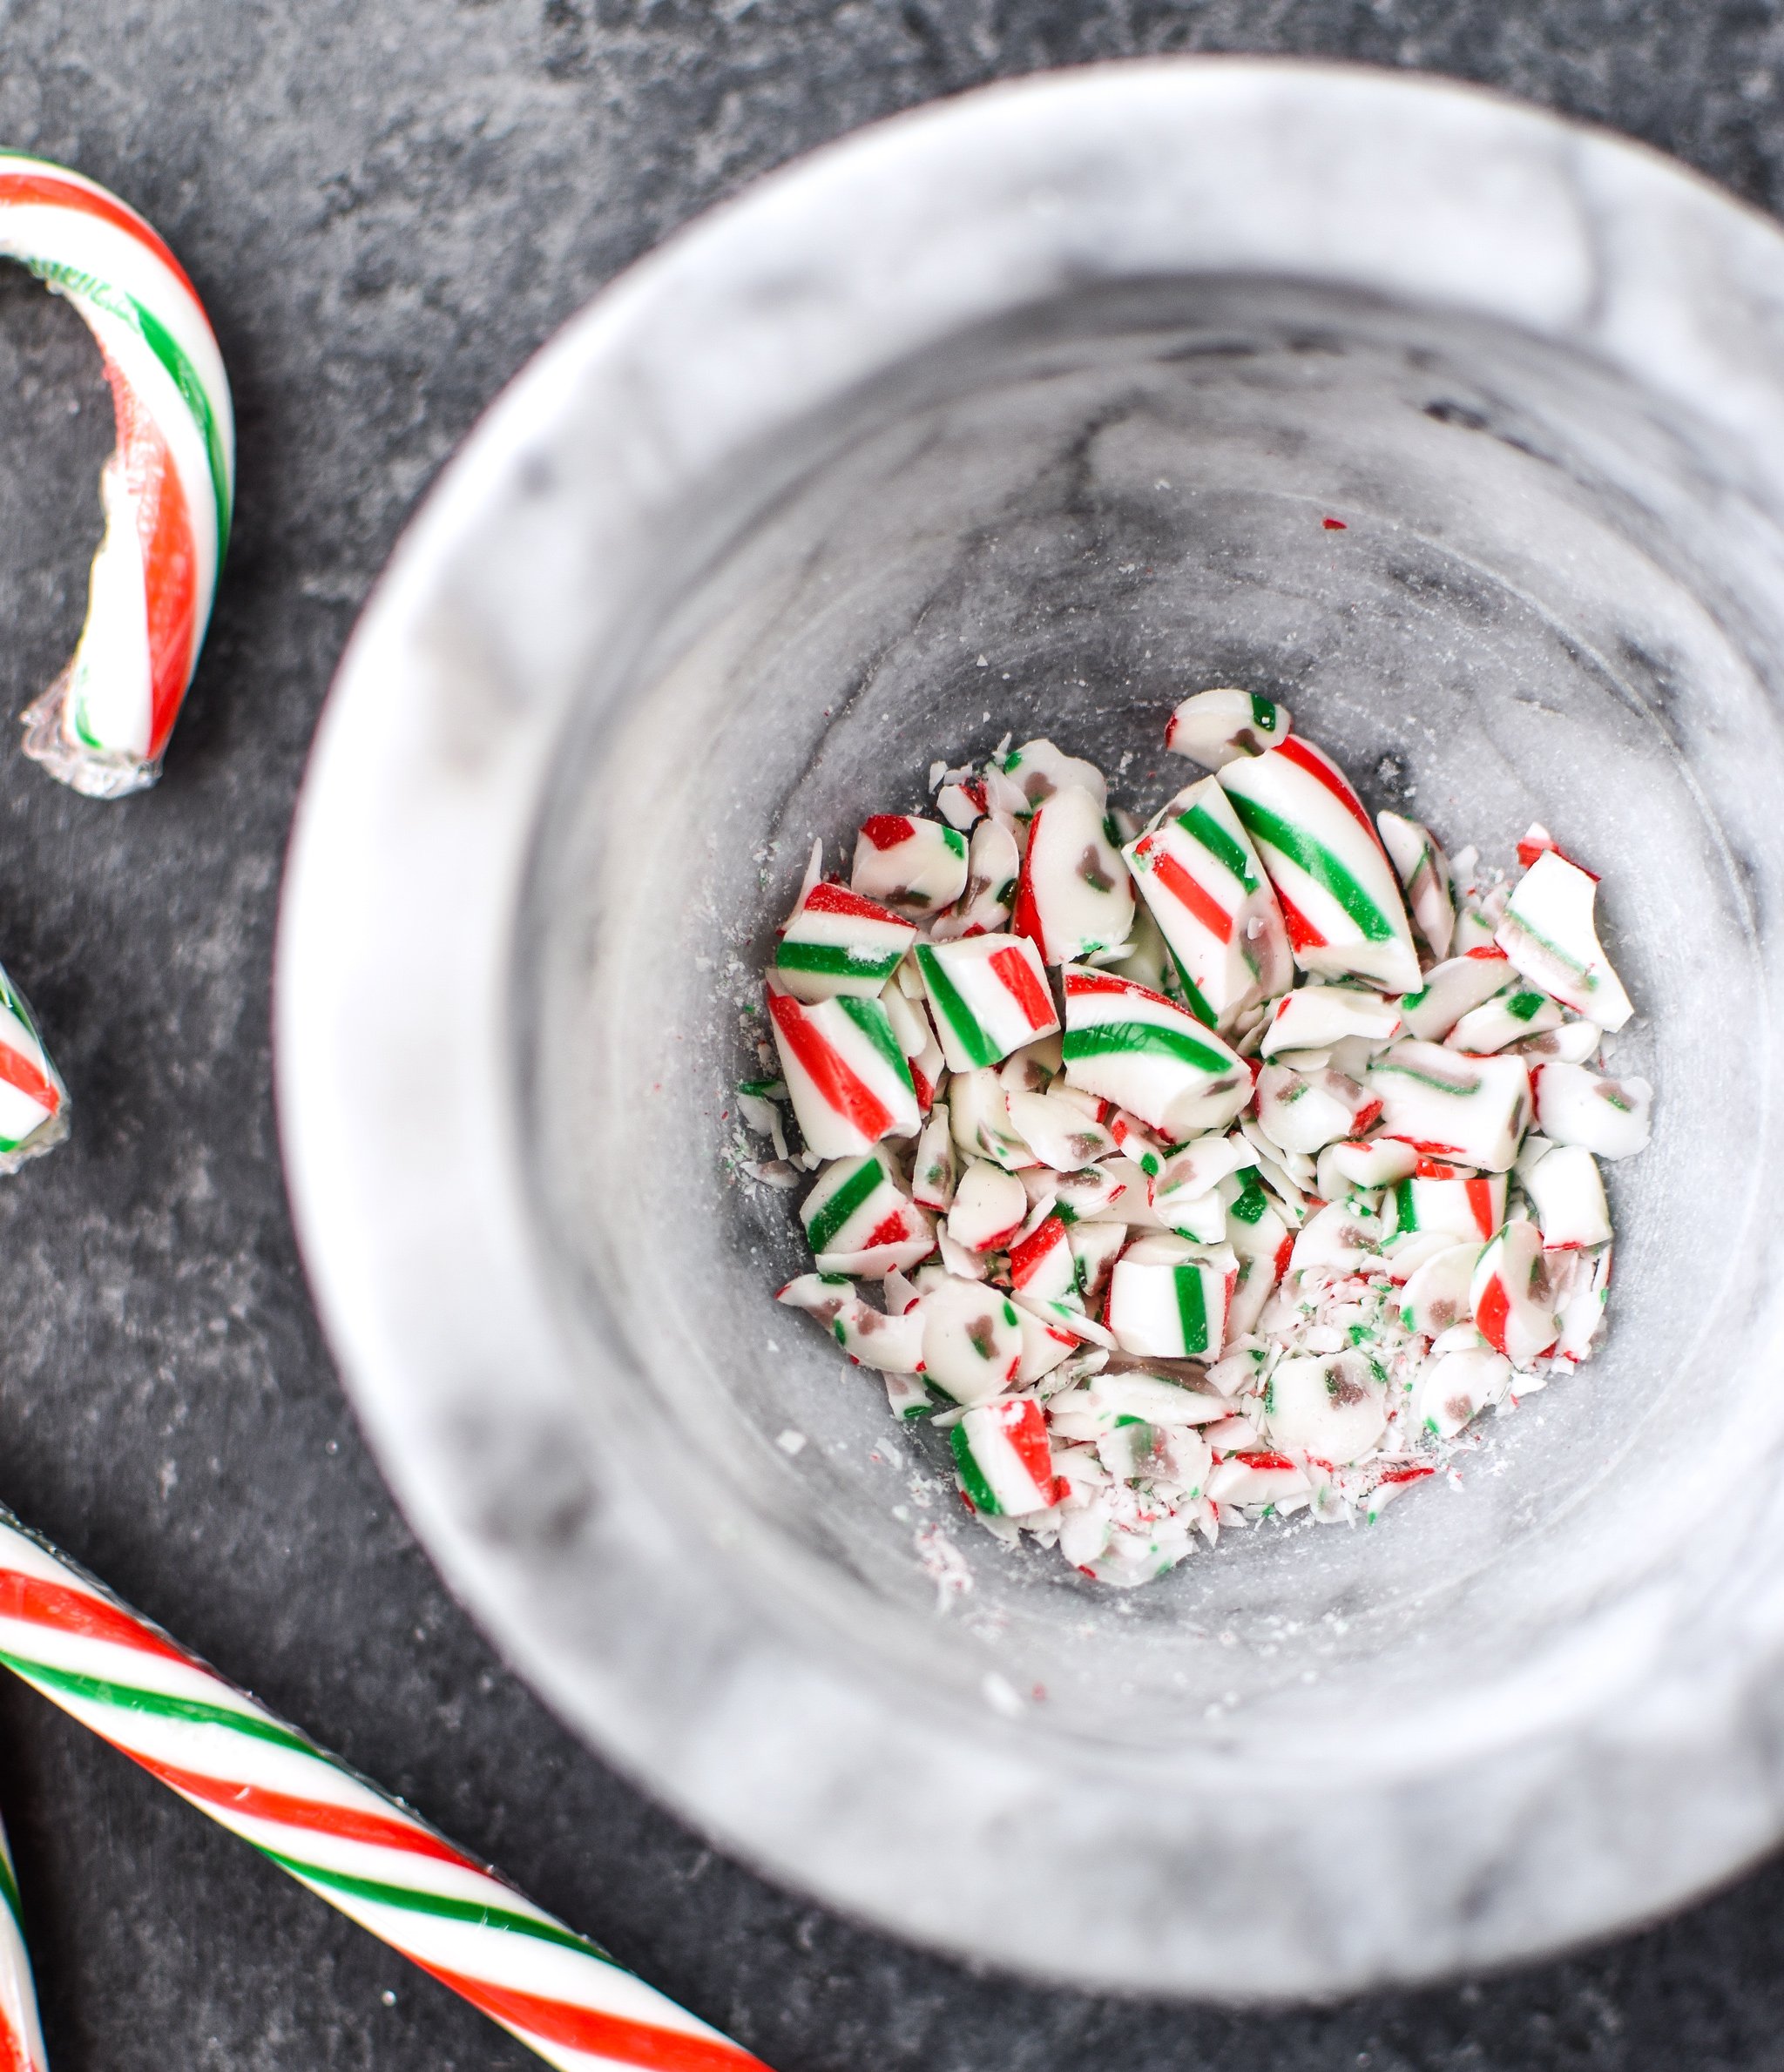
388, 206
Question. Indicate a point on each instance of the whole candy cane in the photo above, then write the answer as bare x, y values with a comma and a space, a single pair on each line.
103, 726
358, 1848
21, 2039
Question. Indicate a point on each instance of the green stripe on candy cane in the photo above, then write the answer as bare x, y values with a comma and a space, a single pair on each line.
1326, 868
156, 1704
1191, 1308
875, 1024
833, 960
1143, 1039
961, 1020
972, 1477
440, 1905
1202, 826
8, 1890
843, 1204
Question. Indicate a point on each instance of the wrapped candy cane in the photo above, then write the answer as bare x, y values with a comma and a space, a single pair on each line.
362, 1852
1473, 1110
1216, 727
1329, 1407
972, 1338
839, 942
1455, 1387
33, 1101
1424, 872
1514, 1303
1439, 1198
1506, 1018
887, 1339
1549, 935
168, 488
1005, 1462
914, 865
989, 997
1076, 897
1452, 990
848, 1079
1340, 898
1568, 1194
1305, 1111
1133, 1048
21, 2038
1169, 1298
1610, 1116
858, 1220
1207, 893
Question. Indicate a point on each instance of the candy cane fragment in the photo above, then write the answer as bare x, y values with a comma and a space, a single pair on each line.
1452, 990
1513, 1301
1509, 1017
1549, 935
167, 489
904, 862
1340, 898
1135, 1048
1005, 1462
989, 997
1612, 1118
363, 1851
849, 1082
21, 2037
1076, 897
1424, 872
1474, 1110
1216, 727
1037, 769
1168, 1298
1330, 1408
890, 1342
1567, 1192
858, 1220
1440, 1198
33, 1101
839, 942
972, 1338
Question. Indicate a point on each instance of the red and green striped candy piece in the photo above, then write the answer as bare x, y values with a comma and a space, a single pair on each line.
839, 942
1133, 1047
1005, 1462
988, 995
21, 2035
850, 1081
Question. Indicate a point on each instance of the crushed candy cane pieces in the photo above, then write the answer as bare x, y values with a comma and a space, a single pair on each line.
1228, 1169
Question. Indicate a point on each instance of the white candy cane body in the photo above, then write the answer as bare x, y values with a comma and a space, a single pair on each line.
849, 1080
1135, 1048
168, 488
839, 942
1424, 872
1329, 1407
21, 2037
1451, 990
33, 1101
1208, 894
1340, 897
361, 1850
1457, 1205
1305, 1111
1550, 934
1313, 1017
1568, 1193
1509, 1017
988, 995
1473, 1110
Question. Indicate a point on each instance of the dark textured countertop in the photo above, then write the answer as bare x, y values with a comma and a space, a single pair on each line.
387, 205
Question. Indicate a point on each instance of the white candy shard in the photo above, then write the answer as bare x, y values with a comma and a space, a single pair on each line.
1451, 990
988, 995
848, 1079
1214, 727
915, 866
1454, 1387
1042, 1264
1169, 1298
1315, 1015
1095, 1248
1208, 894
1004, 1461
872, 1337
1380, 1162
915, 1037
1517, 1012
990, 1207
1305, 1111
1610, 1116
1343, 1238
1340, 897
1473, 1110
839, 942
960, 803
1439, 1295
1330, 1408
972, 1338
1137, 1451
1512, 1297
1075, 898
1424, 872
978, 1112
933, 1170
1257, 1478
1057, 1132
1045, 1345
994, 867
1550, 934
1573, 1043
1133, 1048
858, 1220
1037, 769
1585, 1291
1568, 1194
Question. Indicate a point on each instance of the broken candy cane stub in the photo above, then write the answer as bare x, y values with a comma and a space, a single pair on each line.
1139, 1451
1549, 935
1454, 1387
1042, 1264
1075, 897
1513, 1301
1057, 1132
1169, 1299
933, 1170
1037, 769
1568, 1194
1517, 1012
1305, 1111
1340, 898
978, 1112
1424, 872
848, 1079
1393, 1483
989, 1206
21, 2036
1572, 1044
1380, 1162
1207, 892
960, 803
1440, 1199
972, 1340
1587, 1288
1249, 1480
1005, 1461
1452, 990
33, 1102
839, 942
1610, 1116
907, 1397
168, 488
1439, 1294
1473, 1110
994, 870
1313, 1017
988, 995
1215, 727
858, 1220
1133, 1048
915, 866
1329, 1407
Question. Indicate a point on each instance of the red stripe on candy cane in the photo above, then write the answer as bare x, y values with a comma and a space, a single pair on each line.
1027, 1432
638, 2043
1015, 975
1480, 1203
1302, 934
1027, 1258
21, 189
1493, 1312
169, 552
1200, 903
311, 1816
886, 830
852, 1100
14, 2056
1306, 757
33, 1602
1080, 985
1026, 917
16, 1069
825, 898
